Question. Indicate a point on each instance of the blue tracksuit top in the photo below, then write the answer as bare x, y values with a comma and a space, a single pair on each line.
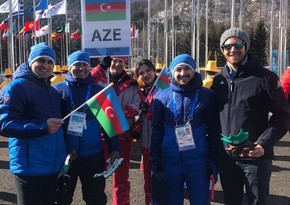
205, 125
28, 103
75, 92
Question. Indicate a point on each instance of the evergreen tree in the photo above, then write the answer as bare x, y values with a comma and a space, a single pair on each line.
260, 41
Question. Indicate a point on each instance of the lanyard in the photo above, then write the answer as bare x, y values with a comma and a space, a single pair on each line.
118, 87
191, 113
72, 99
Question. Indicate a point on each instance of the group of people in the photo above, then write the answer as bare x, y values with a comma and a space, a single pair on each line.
188, 133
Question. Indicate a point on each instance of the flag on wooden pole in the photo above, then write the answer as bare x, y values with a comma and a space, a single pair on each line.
106, 107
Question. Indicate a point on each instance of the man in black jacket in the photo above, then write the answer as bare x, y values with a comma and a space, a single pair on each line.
247, 93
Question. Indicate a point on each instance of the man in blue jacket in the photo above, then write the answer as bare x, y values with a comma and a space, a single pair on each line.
83, 138
30, 117
185, 134
247, 93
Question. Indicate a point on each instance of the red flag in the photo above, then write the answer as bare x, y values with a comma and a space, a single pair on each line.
4, 24
29, 26
75, 35
133, 31
55, 36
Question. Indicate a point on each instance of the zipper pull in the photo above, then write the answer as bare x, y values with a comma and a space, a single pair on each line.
232, 86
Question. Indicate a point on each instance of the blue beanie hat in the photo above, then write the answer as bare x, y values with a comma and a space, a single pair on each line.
183, 59
78, 57
41, 50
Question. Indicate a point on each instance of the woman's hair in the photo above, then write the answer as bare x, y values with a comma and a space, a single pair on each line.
144, 62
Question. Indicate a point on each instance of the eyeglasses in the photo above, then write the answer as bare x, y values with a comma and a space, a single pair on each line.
238, 45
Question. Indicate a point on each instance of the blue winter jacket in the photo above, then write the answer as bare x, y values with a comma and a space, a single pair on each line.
75, 92
28, 103
205, 125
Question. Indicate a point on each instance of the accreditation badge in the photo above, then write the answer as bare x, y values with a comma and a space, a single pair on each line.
76, 124
184, 137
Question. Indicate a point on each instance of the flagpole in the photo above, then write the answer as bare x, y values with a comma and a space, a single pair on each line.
34, 20
1, 51
165, 32
103, 90
11, 37
152, 88
67, 34
149, 30
154, 85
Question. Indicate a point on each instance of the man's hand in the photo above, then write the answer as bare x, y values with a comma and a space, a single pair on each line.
257, 152
53, 124
106, 62
114, 155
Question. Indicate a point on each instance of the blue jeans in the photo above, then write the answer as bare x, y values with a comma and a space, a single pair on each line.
197, 181
253, 174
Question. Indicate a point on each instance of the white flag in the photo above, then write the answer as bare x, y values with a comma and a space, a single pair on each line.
42, 31
57, 9
4, 8
41, 14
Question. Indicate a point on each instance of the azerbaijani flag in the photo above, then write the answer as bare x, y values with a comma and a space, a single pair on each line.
105, 10
106, 107
162, 80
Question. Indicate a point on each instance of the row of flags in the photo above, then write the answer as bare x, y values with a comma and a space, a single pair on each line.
45, 30
42, 10
48, 9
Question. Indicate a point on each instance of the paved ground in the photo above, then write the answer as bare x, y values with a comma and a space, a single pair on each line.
279, 190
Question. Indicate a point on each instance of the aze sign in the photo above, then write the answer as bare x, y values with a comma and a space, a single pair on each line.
106, 27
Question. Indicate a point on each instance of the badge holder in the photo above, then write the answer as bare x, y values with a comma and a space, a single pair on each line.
76, 124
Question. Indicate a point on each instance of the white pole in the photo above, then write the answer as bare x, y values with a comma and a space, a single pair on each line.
172, 32
241, 14
285, 17
233, 14
193, 29
11, 44
206, 34
34, 29
271, 37
197, 34
67, 35
165, 33
149, 30
280, 59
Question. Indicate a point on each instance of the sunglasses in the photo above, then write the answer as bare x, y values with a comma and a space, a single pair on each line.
238, 45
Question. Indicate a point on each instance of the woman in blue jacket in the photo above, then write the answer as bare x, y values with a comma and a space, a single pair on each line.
84, 143
185, 133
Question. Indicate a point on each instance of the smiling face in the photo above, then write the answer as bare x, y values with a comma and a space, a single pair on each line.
183, 74
234, 56
117, 66
42, 67
146, 74
80, 70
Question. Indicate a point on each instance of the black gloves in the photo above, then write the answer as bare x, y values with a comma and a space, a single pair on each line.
144, 107
106, 62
